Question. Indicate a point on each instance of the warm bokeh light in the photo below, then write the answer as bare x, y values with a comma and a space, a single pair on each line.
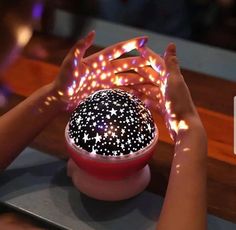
23, 35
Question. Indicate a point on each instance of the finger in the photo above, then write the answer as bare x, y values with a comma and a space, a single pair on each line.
148, 73
152, 96
151, 103
170, 49
130, 63
138, 64
72, 60
155, 60
115, 80
83, 44
171, 60
76, 66
123, 79
149, 89
116, 50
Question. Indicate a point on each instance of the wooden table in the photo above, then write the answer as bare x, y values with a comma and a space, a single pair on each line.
213, 97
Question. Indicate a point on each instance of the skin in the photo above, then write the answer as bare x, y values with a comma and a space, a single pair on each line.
185, 201
47, 102
159, 82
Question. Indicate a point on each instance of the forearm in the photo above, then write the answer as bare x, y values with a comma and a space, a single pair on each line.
185, 202
21, 124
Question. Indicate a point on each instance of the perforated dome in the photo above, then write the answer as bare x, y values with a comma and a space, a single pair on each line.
111, 123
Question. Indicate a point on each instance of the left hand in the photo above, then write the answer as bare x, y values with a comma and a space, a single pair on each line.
81, 76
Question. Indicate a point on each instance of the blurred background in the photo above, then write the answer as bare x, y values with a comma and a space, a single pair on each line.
54, 26
205, 21
211, 22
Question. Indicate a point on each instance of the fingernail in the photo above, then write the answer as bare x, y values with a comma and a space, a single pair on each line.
91, 34
142, 42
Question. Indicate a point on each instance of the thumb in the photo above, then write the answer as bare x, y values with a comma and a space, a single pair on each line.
82, 45
77, 52
171, 61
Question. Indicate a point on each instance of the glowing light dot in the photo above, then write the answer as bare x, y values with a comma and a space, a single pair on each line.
129, 46
151, 77
103, 76
23, 35
104, 63
186, 149
75, 62
118, 81
167, 105
125, 65
76, 73
70, 91
182, 125
141, 79
60, 93
77, 52
95, 65
98, 71
117, 54
162, 73
101, 57
94, 83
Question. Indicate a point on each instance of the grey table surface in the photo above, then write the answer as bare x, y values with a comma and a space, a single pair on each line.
37, 184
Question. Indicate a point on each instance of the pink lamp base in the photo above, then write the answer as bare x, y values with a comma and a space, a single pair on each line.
112, 190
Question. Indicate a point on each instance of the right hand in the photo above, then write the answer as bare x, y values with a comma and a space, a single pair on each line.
167, 92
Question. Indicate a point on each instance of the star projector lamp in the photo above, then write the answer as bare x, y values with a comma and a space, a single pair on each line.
111, 136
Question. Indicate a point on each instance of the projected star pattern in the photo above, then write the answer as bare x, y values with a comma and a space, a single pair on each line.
111, 123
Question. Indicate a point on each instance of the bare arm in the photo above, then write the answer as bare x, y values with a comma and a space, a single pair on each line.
75, 80
21, 124
185, 201
184, 206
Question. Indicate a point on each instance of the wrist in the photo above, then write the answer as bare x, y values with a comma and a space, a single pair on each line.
194, 130
55, 97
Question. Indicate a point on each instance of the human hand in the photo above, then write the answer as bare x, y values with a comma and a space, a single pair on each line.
81, 76
167, 92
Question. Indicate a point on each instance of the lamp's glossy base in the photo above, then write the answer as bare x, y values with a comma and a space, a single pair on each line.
112, 190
